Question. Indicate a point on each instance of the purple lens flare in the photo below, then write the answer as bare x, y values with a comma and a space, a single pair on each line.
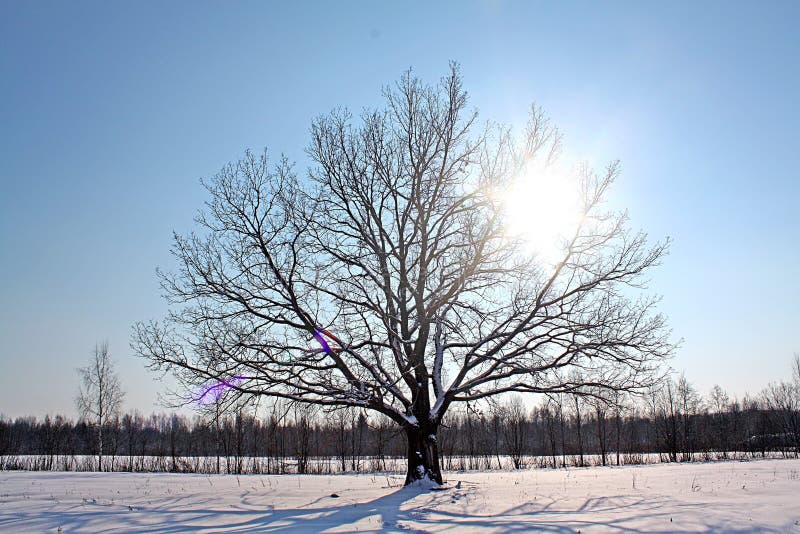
211, 394
322, 342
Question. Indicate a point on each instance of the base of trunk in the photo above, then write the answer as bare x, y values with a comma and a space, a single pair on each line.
423, 458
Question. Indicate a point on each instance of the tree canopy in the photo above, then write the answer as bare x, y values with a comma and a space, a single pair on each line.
387, 279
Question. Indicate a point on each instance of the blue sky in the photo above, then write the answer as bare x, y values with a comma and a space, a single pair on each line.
110, 113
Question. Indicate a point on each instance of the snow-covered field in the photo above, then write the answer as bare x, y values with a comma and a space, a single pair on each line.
756, 496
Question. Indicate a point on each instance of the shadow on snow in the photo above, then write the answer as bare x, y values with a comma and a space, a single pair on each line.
407, 509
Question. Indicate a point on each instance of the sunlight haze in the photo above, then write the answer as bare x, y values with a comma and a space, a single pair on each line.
111, 113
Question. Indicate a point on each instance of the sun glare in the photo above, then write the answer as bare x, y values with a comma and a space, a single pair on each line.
542, 208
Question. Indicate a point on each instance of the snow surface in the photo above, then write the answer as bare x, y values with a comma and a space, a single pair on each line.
756, 496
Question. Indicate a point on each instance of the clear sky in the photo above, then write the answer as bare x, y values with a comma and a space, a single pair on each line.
110, 112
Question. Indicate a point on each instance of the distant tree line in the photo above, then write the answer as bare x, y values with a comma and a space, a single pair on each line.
674, 423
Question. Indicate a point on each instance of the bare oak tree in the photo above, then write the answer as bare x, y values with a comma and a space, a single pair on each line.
386, 278
100, 394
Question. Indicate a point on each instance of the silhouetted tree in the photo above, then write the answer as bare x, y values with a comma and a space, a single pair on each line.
719, 404
100, 394
688, 406
515, 430
387, 280
577, 405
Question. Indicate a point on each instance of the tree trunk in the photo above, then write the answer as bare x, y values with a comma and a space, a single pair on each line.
619, 432
100, 447
423, 455
601, 435
580, 435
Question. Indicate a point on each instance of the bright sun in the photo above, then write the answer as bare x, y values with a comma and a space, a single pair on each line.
542, 208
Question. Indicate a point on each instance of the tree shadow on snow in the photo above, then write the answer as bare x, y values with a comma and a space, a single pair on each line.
452, 509
253, 514
620, 513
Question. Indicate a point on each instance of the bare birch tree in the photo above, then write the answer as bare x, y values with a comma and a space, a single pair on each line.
386, 278
100, 394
